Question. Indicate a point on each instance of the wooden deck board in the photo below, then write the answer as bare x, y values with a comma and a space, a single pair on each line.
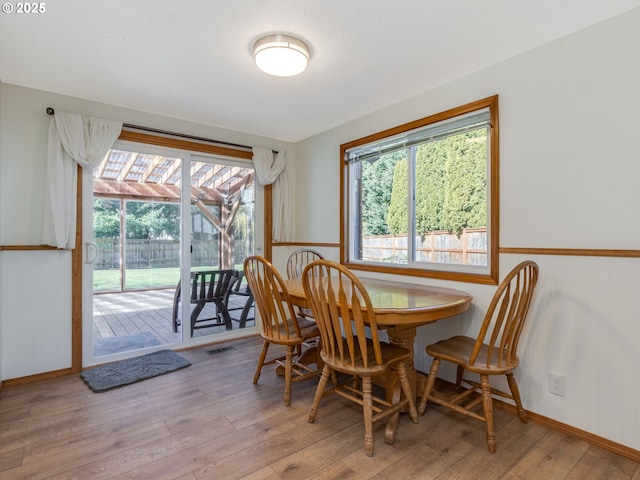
125, 313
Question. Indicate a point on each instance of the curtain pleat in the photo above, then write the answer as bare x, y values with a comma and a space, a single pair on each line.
270, 170
73, 139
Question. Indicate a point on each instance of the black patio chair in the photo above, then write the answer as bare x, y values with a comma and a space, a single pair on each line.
209, 286
244, 303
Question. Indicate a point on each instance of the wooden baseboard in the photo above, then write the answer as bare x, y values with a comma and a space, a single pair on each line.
37, 377
588, 437
68, 371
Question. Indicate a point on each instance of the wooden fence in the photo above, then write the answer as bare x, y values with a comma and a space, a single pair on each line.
468, 248
151, 253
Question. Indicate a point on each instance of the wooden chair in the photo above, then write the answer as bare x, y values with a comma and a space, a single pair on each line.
296, 263
342, 309
299, 259
206, 287
501, 331
280, 325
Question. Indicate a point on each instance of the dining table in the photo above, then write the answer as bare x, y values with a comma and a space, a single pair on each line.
400, 309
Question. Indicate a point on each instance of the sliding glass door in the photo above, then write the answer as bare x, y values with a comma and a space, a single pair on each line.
152, 219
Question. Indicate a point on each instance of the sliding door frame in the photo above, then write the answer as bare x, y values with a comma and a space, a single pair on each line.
77, 253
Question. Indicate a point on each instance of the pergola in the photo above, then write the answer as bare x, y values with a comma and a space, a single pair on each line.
147, 177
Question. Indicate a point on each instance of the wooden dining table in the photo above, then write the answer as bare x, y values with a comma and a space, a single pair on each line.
400, 308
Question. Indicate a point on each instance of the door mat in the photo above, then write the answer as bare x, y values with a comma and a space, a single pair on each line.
135, 341
131, 370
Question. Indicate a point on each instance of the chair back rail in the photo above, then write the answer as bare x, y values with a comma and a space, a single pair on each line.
210, 284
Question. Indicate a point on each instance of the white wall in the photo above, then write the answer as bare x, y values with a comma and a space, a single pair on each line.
35, 286
569, 171
35, 312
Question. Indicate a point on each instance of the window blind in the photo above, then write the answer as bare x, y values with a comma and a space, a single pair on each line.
429, 133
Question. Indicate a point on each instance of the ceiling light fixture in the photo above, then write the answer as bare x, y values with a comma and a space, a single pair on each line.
281, 55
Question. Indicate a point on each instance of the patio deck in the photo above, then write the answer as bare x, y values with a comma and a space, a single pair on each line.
126, 313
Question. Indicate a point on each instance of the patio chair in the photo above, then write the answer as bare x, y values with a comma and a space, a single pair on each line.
209, 286
239, 289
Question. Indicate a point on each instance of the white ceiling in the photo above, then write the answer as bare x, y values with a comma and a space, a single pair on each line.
192, 59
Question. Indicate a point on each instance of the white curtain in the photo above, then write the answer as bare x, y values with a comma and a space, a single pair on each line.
273, 170
73, 138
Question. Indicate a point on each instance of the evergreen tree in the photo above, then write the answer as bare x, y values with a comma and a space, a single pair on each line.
377, 180
431, 184
398, 213
465, 197
450, 187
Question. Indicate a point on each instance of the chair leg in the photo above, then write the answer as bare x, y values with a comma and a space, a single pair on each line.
322, 383
288, 366
221, 311
487, 404
245, 312
431, 380
459, 374
194, 315
176, 303
515, 393
406, 388
263, 355
367, 410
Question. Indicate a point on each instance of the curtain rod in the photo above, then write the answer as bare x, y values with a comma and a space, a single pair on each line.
51, 111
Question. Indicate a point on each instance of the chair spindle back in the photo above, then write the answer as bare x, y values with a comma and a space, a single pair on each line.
331, 288
272, 298
507, 313
299, 259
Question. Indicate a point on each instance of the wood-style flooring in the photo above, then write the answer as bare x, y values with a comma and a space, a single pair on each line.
209, 421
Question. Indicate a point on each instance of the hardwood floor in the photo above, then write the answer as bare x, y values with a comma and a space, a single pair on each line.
209, 421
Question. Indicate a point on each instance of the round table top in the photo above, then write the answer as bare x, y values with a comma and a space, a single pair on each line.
398, 303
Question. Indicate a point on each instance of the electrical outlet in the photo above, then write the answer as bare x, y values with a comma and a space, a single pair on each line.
556, 384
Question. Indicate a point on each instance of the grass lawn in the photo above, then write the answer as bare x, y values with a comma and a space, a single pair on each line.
109, 280
141, 278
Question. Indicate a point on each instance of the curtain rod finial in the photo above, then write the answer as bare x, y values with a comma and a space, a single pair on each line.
50, 111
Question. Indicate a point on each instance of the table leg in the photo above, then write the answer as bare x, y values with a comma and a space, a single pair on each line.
403, 337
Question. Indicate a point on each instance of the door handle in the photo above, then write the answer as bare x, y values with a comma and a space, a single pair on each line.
91, 253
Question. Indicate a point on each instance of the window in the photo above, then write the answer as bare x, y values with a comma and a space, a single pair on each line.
422, 198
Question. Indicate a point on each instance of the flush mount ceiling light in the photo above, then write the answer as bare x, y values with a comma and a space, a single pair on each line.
281, 55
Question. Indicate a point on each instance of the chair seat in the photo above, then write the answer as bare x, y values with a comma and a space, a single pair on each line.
458, 350
390, 354
308, 329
